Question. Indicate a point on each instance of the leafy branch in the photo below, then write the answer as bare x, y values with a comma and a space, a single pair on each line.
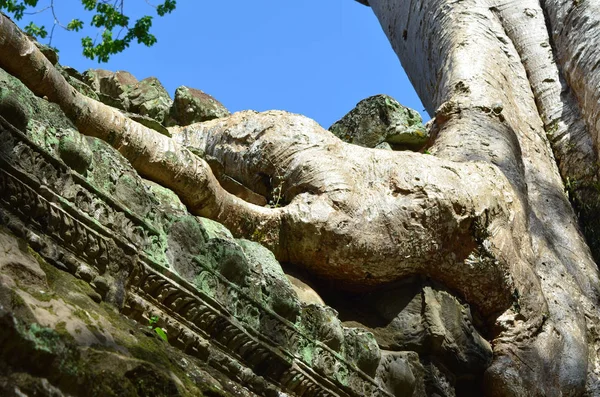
108, 17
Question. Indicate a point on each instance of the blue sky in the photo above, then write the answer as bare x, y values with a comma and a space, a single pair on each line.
314, 57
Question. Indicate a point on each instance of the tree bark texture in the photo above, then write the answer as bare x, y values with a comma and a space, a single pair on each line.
513, 88
506, 92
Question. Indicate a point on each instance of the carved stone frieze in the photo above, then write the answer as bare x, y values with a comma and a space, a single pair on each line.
78, 227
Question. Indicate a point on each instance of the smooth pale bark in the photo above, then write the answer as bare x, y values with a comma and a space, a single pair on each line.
576, 37
361, 217
487, 67
380, 217
525, 25
364, 217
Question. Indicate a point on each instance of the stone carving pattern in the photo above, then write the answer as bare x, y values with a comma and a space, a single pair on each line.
70, 233
53, 173
196, 310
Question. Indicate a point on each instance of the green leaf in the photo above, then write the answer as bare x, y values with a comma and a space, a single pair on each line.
17, 8
141, 32
152, 321
108, 16
88, 47
36, 31
75, 25
161, 333
89, 5
166, 8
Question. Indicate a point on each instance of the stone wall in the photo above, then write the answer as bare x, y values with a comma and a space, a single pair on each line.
81, 208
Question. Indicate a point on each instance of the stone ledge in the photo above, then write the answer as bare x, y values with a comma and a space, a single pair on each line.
72, 239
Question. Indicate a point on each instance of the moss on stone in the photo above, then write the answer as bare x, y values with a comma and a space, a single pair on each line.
132, 362
22, 108
381, 119
75, 152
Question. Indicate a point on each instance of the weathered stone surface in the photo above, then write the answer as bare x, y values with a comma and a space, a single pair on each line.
361, 348
146, 101
110, 87
403, 374
149, 98
77, 83
425, 319
75, 151
18, 106
192, 105
381, 119
323, 322
278, 293
71, 72
112, 84
56, 340
123, 91
452, 334
12, 110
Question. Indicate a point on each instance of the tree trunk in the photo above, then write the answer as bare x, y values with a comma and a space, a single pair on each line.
486, 214
505, 94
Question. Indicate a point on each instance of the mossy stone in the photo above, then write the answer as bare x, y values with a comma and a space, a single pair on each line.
281, 296
362, 349
381, 119
193, 106
74, 151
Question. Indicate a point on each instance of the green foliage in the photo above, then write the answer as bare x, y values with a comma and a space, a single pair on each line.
37, 31
17, 7
152, 321
167, 7
75, 25
116, 30
159, 331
